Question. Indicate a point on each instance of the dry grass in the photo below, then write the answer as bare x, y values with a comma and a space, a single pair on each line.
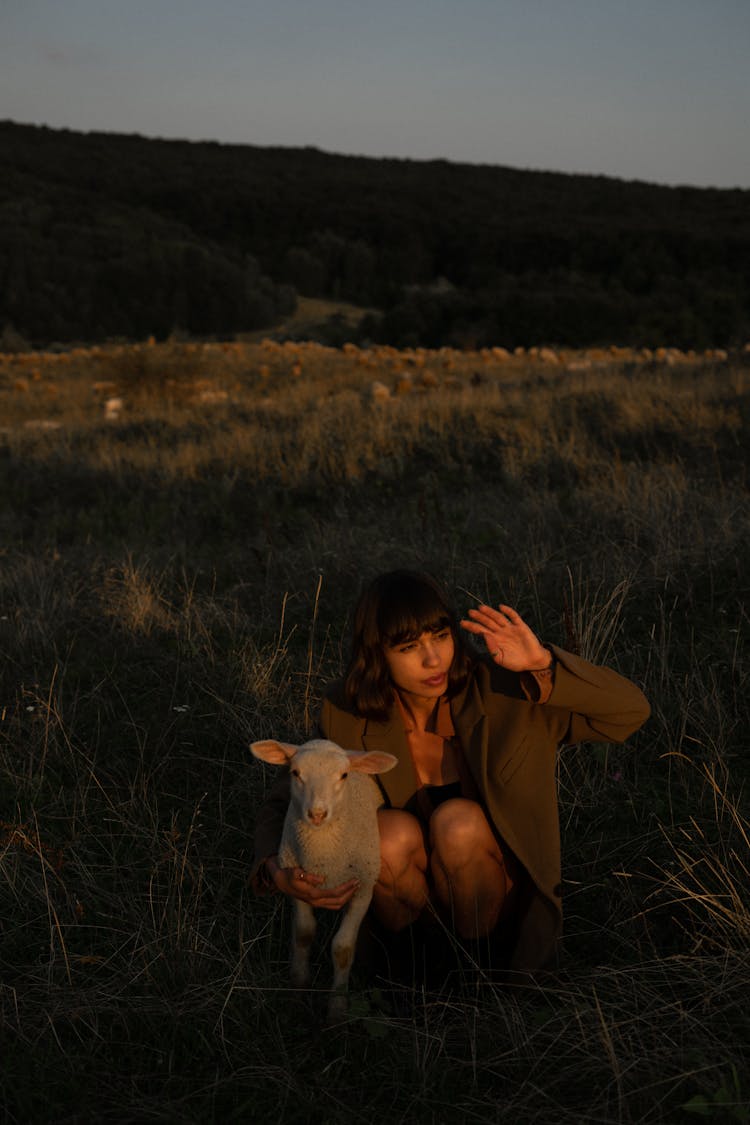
176, 581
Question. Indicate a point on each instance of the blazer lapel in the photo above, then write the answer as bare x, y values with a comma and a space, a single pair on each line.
400, 783
470, 721
472, 727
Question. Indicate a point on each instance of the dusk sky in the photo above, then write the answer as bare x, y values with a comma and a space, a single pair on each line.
654, 90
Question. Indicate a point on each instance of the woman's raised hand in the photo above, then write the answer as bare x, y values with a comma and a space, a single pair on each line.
510, 642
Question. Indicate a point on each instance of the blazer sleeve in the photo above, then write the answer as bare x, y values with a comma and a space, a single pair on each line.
269, 825
603, 706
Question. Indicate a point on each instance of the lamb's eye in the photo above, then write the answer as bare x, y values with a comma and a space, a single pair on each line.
295, 773
344, 775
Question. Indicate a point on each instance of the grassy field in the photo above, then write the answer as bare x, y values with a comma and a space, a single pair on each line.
183, 531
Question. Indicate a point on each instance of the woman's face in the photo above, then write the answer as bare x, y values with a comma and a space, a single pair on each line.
420, 667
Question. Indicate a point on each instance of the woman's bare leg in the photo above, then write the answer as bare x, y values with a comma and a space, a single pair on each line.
401, 891
467, 867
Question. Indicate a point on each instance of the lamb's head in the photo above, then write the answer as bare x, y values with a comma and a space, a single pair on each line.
319, 771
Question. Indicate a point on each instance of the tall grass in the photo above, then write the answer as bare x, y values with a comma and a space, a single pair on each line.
177, 582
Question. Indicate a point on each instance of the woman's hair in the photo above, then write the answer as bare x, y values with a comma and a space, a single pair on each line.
395, 608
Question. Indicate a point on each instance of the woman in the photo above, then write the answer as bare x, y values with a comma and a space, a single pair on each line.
469, 824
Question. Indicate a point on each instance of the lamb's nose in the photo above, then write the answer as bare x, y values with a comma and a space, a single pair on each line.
317, 816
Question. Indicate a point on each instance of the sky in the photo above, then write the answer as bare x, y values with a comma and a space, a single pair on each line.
654, 90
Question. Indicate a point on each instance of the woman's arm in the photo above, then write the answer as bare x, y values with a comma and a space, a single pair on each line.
269, 825
603, 705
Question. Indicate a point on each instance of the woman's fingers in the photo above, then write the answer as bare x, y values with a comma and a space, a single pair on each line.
333, 898
333, 902
308, 887
510, 641
491, 623
478, 623
489, 618
484, 613
299, 875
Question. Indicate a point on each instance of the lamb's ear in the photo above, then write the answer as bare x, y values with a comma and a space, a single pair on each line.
277, 753
370, 761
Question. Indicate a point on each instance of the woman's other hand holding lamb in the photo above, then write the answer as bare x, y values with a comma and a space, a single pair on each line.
308, 887
510, 642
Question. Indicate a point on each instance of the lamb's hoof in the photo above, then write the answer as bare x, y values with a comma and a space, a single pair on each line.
338, 1008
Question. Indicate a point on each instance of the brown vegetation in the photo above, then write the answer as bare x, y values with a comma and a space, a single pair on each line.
175, 581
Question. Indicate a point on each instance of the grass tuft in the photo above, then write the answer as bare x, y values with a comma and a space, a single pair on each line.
177, 580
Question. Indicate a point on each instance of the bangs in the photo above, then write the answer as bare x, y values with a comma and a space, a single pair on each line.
412, 609
412, 630
394, 609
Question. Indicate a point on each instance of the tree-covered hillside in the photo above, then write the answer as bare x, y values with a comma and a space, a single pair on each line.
104, 235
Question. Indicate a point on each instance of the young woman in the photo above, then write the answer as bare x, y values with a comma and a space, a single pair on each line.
469, 823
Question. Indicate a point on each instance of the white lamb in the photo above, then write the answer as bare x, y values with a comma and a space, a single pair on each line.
331, 830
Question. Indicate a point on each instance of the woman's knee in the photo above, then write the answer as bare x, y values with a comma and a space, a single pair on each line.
401, 840
459, 828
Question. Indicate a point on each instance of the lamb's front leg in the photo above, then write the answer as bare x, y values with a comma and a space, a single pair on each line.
342, 949
303, 932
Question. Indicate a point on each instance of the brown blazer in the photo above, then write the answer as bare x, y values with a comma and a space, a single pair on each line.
510, 744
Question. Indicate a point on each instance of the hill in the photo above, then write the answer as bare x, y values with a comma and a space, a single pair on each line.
108, 235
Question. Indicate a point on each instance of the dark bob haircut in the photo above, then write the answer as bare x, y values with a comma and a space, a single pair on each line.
395, 608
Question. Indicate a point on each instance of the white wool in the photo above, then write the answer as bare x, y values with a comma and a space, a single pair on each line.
331, 830
347, 844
